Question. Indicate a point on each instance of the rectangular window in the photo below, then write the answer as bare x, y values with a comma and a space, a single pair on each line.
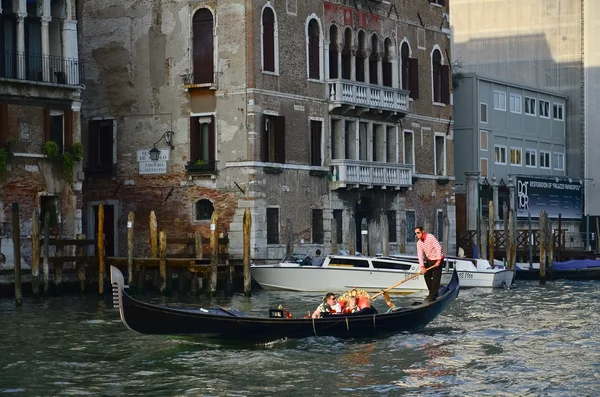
272, 225
544, 109
391, 216
483, 116
410, 226
316, 131
408, 147
544, 159
515, 103
500, 154
440, 155
483, 140
273, 139
483, 166
530, 158
530, 106
57, 128
500, 100
337, 216
100, 145
559, 161
202, 142
515, 156
317, 226
557, 111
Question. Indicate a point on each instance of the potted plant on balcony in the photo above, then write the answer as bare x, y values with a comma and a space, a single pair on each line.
51, 150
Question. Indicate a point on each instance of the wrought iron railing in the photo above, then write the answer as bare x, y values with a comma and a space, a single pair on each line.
41, 68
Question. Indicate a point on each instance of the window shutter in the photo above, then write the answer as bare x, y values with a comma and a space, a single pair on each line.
68, 129
445, 84
265, 139
211, 140
413, 72
3, 123
280, 139
47, 125
93, 161
194, 137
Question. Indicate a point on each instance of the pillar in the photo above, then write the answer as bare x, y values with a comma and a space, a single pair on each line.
472, 192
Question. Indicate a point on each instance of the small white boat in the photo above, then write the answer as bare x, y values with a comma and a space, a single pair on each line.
472, 272
340, 272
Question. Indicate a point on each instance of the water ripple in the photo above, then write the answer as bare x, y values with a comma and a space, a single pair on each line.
528, 341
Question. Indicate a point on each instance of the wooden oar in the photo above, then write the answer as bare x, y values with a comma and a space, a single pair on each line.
401, 282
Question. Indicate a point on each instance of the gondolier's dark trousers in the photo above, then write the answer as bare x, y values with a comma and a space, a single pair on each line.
433, 278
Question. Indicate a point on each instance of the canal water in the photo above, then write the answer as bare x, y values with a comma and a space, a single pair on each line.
530, 340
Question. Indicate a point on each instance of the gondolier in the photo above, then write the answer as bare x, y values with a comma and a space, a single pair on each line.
430, 254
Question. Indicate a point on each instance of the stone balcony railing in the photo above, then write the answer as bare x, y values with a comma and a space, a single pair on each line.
356, 173
358, 94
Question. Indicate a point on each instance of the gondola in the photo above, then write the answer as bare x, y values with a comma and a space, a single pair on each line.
147, 318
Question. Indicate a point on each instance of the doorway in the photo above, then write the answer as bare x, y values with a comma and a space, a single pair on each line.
363, 210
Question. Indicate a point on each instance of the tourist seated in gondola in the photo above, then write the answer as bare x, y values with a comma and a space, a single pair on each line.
330, 305
351, 306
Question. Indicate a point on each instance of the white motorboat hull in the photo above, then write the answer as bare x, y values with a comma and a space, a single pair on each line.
324, 279
481, 278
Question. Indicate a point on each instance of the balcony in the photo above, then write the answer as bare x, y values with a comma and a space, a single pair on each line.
367, 96
356, 173
41, 68
199, 80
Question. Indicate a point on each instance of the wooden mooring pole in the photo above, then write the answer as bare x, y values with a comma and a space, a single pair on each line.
542, 247
334, 236
214, 253
385, 234
246, 252
45, 254
491, 232
154, 243
197, 281
35, 253
17, 254
130, 240
80, 264
100, 239
163, 262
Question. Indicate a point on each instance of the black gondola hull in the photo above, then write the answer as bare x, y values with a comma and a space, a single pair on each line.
148, 318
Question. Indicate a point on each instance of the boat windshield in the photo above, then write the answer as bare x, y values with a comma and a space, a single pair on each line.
293, 258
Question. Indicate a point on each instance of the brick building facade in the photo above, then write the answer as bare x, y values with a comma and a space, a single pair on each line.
302, 111
40, 89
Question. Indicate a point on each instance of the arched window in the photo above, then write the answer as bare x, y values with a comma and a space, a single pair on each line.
404, 54
333, 52
361, 55
440, 78
346, 54
314, 39
203, 46
410, 72
204, 210
268, 40
387, 63
373, 60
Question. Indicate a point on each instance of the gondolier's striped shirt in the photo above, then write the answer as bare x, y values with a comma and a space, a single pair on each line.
431, 248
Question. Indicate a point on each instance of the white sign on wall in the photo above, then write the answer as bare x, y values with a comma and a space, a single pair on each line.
153, 167
144, 155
